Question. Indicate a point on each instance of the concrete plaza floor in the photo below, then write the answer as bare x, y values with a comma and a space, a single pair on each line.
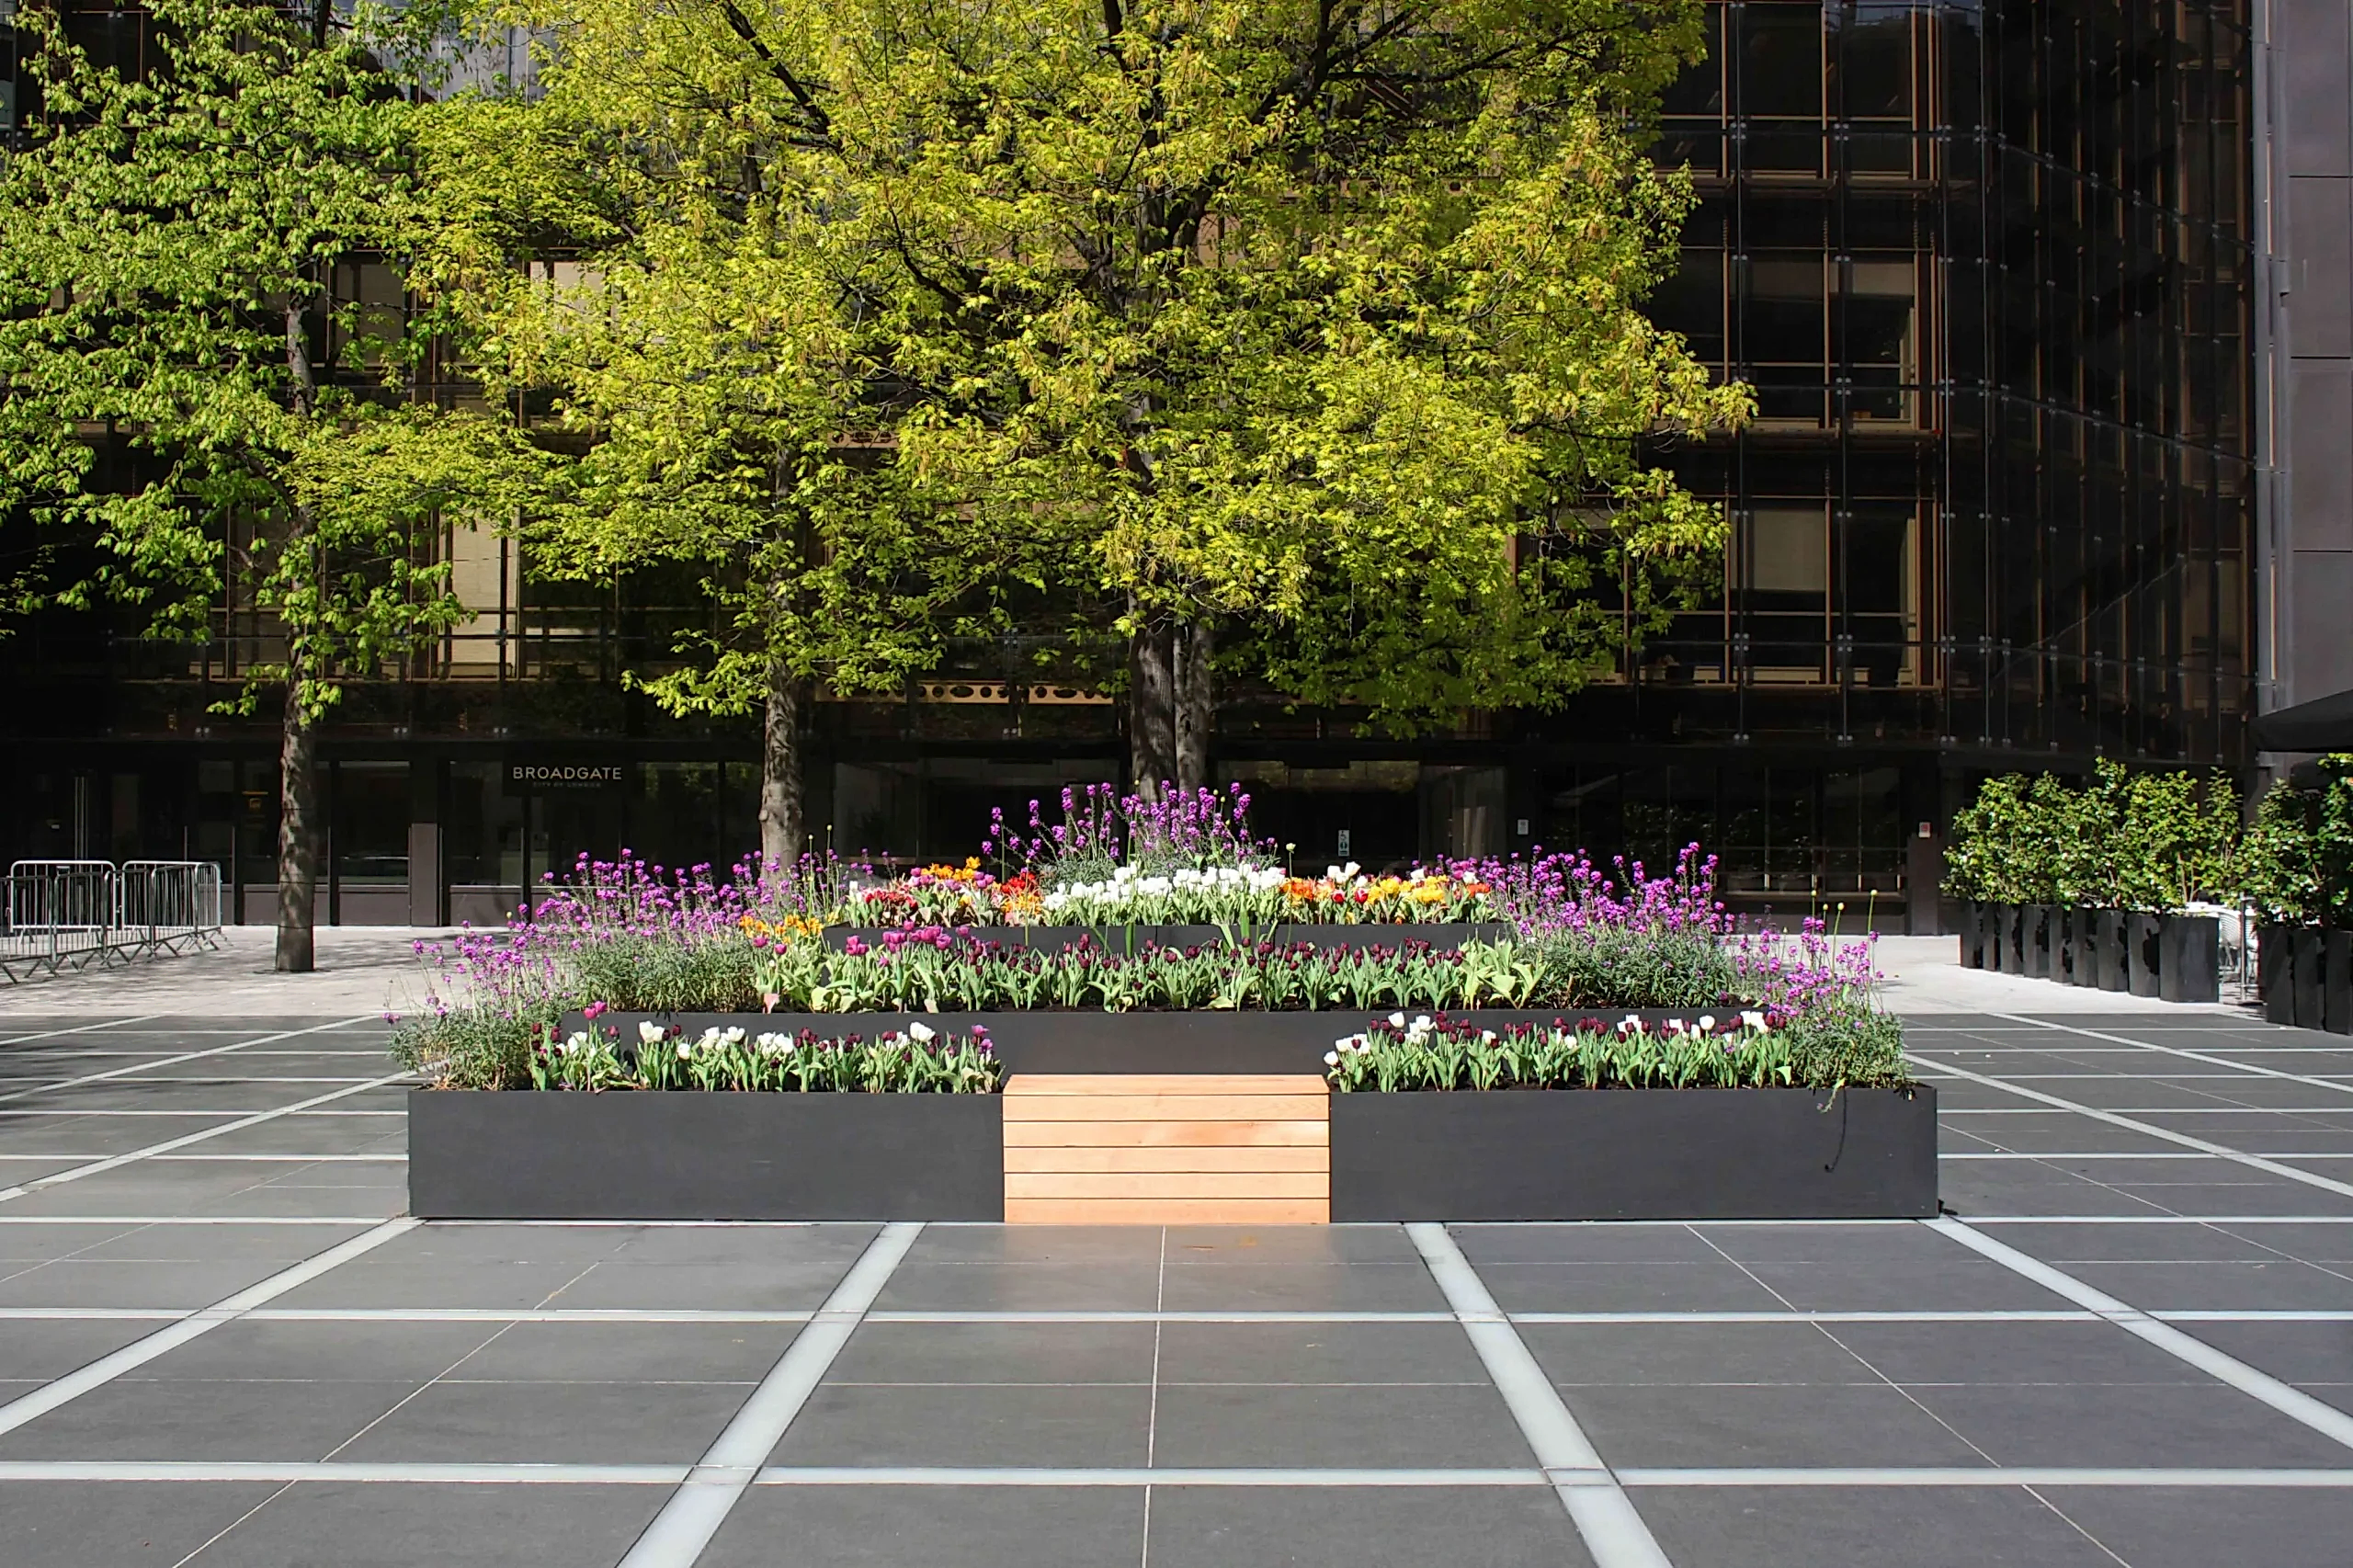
2132, 1342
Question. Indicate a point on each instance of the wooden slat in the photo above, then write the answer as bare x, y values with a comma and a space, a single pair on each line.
1166, 1108
1022, 1083
1165, 1135
1181, 1157
1168, 1212
1171, 1185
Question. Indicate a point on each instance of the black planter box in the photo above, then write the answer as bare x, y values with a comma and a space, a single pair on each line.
1253, 1042
2310, 983
1635, 1154
1135, 938
2144, 953
2039, 935
1972, 935
2001, 936
2190, 966
2275, 972
2083, 948
2337, 981
2111, 932
527, 1154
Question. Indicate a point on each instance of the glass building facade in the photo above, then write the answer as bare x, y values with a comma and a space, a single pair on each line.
1990, 268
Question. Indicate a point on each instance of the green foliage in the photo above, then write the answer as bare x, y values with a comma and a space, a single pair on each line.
1445, 1054
1848, 1043
2125, 840
475, 1046
912, 1061
1194, 308
166, 244
1613, 967
2296, 863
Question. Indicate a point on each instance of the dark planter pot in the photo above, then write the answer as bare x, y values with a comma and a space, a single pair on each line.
2111, 932
2001, 938
2189, 965
2063, 945
1972, 935
2036, 938
1672, 1154
2309, 980
2145, 952
1134, 939
2083, 948
1127, 1043
2275, 972
2337, 981
482, 1155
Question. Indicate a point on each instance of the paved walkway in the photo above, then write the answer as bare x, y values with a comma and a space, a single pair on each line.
2132, 1344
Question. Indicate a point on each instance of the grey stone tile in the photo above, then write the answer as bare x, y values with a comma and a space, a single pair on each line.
1881, 1242
1710, 1285
931, 1526
2259, 1197
2128, 1425
446, 1243
21, 1245
2207, 1527
1788, 1354
1317, 1353
333, 1352
1012, 1287
758, 1246
1302, 1287
1207, 1527
1037, 1244
2060, 1132
543, 1423
622, 1353
1956, 1281
728, 1287
2314, 1355
134, 1418
375, 1281
1996, 1353
862, 1425
996, 1353
2170, 1287
42, 1350
1719, 1425
1989, 1187
2329, 1244
75, 1282
1337, 1425
1290, 1244
1637, 1242
282, 1244
82, 1524
352, 1526
1712, 1527
2065, 1244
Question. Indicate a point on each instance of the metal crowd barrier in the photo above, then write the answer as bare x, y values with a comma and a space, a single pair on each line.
63, 914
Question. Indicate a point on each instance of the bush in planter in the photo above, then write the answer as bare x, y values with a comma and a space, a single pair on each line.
2295, 864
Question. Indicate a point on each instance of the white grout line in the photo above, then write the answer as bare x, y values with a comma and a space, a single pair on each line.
1989, 1475
1146, 1475
2255, 1162
1614, 1533
118, 1161
2177, 1051
1146, 1315
140, 1222
176, 1060
427, 1473
44, 1113
82, 1029
2137, 1109
139, 1352
2292, 1403
329, 1469
679, 1533
2160, 1219
1802, 1315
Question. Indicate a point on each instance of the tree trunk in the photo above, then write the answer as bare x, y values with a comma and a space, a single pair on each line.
1196, 704
1152, 708
298, 831
783, 827
298, 741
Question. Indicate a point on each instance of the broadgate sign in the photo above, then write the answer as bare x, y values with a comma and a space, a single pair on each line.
524, 778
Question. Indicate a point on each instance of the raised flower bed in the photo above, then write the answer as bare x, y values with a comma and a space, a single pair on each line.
1573, 1045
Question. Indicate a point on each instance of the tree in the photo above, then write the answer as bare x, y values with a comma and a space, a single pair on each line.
645, 242
167, 242
1319, 320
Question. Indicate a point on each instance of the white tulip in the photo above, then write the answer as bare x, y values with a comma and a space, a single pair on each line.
1331, 1059
920, 1033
